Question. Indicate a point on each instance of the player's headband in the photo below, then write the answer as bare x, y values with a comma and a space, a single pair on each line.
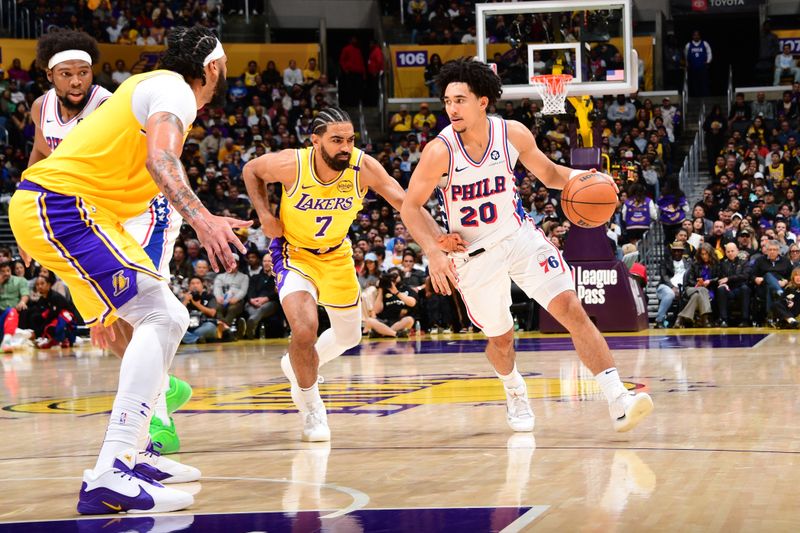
68, 55
215, 54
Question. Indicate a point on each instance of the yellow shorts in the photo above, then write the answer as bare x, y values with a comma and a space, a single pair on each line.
332, 273
85, 246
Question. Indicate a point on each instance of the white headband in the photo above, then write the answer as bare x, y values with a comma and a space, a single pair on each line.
215, 54
68, 55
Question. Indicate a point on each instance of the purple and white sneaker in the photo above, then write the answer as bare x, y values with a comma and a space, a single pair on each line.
122, 489
152, 464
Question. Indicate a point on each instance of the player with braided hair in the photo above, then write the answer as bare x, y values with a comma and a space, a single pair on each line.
323, 190
68, 213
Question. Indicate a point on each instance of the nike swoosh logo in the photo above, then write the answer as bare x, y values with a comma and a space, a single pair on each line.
117, 507
460, 169
609, 371
49, 121
306, 186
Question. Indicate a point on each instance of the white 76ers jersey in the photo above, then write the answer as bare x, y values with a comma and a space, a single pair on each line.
54, 129
480, 198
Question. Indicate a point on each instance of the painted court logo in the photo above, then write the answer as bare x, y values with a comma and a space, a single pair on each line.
356, 395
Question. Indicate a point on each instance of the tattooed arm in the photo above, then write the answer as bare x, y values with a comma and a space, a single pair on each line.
164, 145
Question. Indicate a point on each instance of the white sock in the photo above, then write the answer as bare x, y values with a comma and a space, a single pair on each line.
161, 403
512, 380
128, 416
311, 395
611, 384
159, 321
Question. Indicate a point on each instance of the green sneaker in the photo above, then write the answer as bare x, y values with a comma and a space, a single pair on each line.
178, 394
164, 435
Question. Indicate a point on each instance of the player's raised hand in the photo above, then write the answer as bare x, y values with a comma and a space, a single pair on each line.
442, 272
452, 242
216, 235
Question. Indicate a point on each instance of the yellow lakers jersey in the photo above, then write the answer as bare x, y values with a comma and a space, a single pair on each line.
103, 159
316, 214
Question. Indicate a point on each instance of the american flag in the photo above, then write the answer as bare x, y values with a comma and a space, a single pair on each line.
615, 75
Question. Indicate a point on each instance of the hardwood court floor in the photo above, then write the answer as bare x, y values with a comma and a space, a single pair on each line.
420, 442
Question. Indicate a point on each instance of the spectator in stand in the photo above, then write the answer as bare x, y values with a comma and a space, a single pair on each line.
718, 239
262, 296
401, 123
698, 282
353, 72
431, 71
786, 108
638, 212
673, 269
14, 297
230, 290
785, 64
202, 313
105, 79
794, 256
621, 110
271, 76
761, 107
424, 117
787, 308
292, 75
744, 241
121, 74
311, 73
251, 77
733, 286
179, 265
673, 207
391, 313
50, 316
771, 274
740, 112
375, 68
698, 57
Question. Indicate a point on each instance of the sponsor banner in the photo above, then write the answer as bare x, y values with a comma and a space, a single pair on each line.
713, 7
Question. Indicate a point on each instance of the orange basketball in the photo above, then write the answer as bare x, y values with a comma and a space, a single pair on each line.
589, 199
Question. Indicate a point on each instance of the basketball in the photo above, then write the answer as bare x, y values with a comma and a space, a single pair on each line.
589, 199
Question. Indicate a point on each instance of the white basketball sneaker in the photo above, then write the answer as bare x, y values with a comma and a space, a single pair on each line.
123, 489
630, 409
315, 424
518, 409
163, 469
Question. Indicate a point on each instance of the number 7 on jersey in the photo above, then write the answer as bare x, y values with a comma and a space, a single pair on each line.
325, 221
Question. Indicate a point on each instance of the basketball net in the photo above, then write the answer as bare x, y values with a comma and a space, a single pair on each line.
553, 90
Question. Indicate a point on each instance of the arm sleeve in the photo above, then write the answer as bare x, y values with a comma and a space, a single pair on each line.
164, 93
708, 52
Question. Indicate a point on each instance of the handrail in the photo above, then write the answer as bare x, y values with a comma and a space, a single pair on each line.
691, 164
685, 92
730, 88
382, 96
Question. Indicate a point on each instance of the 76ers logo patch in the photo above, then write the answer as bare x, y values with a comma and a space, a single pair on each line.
548, 263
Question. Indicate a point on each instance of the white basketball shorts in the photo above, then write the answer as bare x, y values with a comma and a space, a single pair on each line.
156, 230
528, 258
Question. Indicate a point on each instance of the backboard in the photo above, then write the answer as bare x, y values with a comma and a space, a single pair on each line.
590, 39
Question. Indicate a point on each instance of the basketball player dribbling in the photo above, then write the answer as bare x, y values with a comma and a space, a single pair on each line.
67, 57
470, 166
323, 189
67, 213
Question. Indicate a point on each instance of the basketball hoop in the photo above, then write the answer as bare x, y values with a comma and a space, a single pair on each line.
553, 90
